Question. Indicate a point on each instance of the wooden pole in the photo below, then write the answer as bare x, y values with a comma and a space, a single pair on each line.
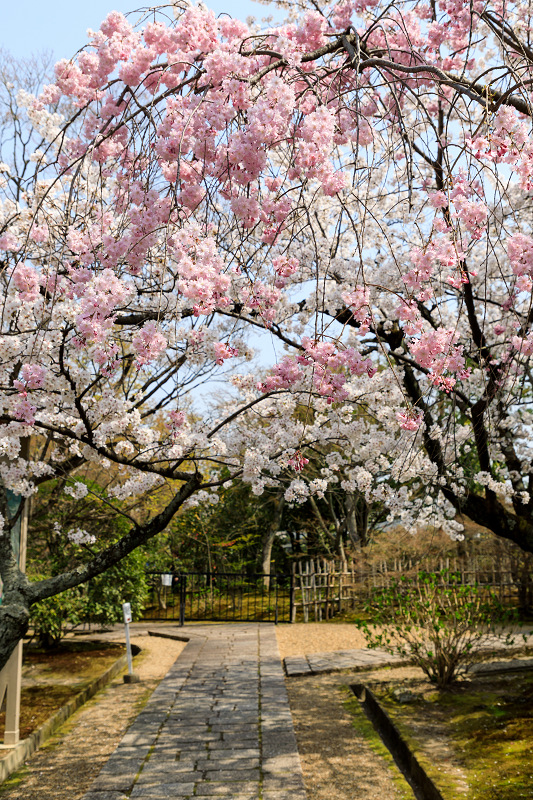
11, 674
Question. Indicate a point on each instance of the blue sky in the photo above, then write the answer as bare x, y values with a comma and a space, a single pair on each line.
31, 26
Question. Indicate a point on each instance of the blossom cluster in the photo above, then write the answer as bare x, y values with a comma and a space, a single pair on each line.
216, 180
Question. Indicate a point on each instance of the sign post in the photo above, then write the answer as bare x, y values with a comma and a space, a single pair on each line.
130, 677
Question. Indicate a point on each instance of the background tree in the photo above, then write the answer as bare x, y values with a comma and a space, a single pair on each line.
352, 187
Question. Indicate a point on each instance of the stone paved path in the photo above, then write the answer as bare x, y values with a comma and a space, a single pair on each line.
365, 659
217, 726
338, 660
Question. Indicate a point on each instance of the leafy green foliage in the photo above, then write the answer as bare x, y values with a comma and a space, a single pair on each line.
52, 618
435, 620
50, 552
123, 583
99, 601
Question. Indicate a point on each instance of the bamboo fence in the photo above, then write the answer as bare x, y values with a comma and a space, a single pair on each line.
323, 588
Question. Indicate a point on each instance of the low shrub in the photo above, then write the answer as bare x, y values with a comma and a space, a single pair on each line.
436, 621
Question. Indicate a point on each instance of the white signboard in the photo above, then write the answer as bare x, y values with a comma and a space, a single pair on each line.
126, 608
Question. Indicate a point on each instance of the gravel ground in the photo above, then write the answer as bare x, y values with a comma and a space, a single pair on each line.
302, 638
337, 762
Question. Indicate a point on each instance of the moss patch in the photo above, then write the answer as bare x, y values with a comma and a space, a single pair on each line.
13, 781
488, 727
492, 724
72, 661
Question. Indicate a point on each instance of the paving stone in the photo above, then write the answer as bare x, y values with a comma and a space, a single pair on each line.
175, 795
230, 789
147, 778
118, 766
255, 795
285, 744
247, 740
117, 783
246, 731
286, 784
216, 774
232, 746
104, 795
160, 762
230, 762
163, 790
281, 763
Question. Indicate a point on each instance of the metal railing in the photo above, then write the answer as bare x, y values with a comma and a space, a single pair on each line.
215, 596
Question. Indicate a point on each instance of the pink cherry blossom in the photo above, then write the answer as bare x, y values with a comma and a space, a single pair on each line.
149, 343
26, 279
410, 420
24, 411
342, 199
297, 461
224, 351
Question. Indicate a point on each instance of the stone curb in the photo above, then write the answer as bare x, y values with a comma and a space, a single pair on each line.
494, 667
406, 761
27, 747
179, 637
360, 660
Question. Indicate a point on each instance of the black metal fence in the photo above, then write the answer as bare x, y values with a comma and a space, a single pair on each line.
214, 596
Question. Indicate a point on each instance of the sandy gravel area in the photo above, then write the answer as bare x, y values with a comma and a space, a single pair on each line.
337, 762
65, 767
302, 638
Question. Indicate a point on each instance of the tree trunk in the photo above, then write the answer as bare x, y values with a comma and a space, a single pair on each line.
356, 520
361, 511
20, 594
15, 608
14, 619
268, 539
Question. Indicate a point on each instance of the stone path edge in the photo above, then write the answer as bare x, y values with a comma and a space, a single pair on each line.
11, 762
164, 701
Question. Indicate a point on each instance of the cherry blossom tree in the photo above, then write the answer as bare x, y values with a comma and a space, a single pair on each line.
350, 189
